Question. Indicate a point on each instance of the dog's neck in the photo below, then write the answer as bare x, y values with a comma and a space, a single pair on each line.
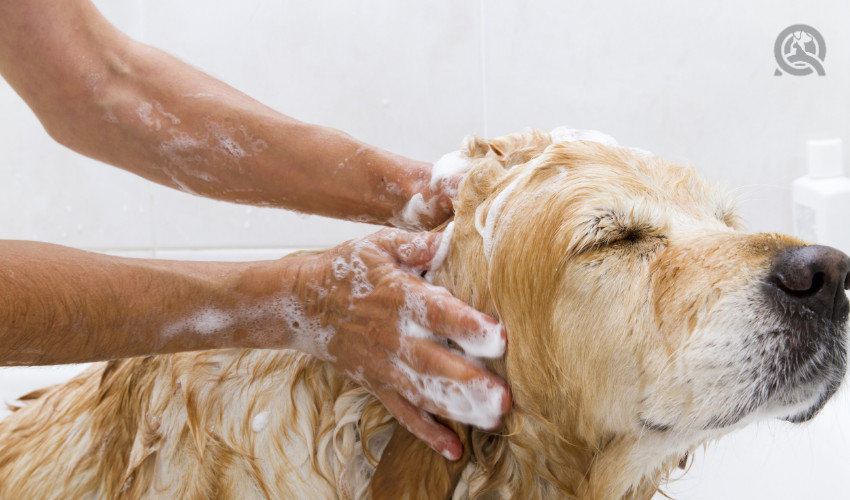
545, 455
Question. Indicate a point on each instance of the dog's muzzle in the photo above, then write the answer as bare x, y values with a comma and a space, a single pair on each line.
806, 287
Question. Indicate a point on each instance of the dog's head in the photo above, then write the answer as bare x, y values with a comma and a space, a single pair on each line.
641, 320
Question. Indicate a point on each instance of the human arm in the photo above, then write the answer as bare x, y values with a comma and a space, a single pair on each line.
107, 96
360, 306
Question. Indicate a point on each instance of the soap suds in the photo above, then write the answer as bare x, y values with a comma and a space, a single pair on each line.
353, 270
204, 322
144, 113
566, 134
210, 321
474, 402
641, 152
443, 180
487, 227
163, 112
450, 165
417, 245
486, 341
227, 144
441, 253
412, 213
260, 421
307, 333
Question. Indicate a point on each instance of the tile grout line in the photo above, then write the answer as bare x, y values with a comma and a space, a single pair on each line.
153, 221
483, 71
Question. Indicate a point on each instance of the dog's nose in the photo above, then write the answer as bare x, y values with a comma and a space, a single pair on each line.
816, 277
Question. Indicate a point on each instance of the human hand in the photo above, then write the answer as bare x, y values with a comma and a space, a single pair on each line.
430, 203
386, 328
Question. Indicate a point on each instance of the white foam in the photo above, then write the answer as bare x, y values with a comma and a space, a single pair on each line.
418, 244
204, 322
442, 174
442, 251
487, 342
410, 328
257, 145
163, 112
641, 152
210, 321
308, 334
261, 420
475, 402
143, 112
180, 146
487, 228
450, 165
411, 214
355, 271
414, 307
566, 134
230, 146
394, 189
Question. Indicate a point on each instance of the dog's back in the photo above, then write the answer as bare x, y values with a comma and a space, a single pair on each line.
216, 424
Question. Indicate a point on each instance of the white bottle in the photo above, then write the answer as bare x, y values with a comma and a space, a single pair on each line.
822, 198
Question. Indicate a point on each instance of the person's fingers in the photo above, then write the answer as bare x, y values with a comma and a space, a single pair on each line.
414, 250
426, 356
442, 382
439, 437
475, 332
436, 310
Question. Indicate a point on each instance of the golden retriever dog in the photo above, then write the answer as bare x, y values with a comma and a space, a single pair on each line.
641, 321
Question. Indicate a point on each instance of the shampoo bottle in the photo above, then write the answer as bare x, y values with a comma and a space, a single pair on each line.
822, 198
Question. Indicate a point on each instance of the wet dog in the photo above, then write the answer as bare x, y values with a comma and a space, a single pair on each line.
641, 323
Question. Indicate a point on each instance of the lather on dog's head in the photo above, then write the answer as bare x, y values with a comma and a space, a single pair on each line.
641, 320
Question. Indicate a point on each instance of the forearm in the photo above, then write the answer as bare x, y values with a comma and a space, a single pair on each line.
61, 305
111, 98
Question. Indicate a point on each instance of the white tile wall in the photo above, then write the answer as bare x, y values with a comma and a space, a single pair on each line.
16, 382
52, 194
692, 81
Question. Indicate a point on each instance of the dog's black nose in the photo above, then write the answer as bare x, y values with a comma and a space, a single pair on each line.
816, 277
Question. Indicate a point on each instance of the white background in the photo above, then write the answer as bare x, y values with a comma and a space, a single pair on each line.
691, 81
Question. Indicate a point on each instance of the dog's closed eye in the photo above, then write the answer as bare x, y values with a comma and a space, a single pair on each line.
616, 227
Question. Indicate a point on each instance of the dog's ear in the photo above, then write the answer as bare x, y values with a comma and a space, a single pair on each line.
492, 158
509, 150
410, 470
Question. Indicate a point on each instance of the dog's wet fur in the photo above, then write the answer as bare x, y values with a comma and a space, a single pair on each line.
642, 322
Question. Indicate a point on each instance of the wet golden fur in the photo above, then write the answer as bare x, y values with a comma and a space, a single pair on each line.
606, 267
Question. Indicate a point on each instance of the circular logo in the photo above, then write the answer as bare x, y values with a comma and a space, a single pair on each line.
800, 50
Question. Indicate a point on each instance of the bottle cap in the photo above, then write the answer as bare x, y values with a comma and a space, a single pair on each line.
825, 158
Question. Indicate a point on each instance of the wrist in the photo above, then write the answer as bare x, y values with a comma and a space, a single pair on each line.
264, 295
